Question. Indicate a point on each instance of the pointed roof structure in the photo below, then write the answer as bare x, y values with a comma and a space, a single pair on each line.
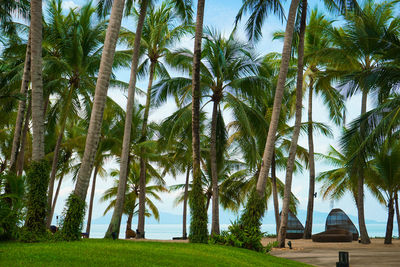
338, 219
295, 229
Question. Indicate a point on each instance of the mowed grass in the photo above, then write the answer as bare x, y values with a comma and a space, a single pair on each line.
99, 252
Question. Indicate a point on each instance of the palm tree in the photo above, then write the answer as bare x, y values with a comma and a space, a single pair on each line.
198, 223
183, 8
357, 44
74, 50
96, 117
228, 67
386, 176
132, 194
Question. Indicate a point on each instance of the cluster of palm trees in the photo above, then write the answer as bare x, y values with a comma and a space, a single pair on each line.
55, 75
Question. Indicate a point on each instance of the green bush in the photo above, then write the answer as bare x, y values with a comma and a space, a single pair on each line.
240, 236
12, 190
72, 219
35, 223
246, 232
198, 223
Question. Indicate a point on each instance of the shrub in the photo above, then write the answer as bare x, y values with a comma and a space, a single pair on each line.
37, 181
72, 219
198, 223
12, 190
240, 236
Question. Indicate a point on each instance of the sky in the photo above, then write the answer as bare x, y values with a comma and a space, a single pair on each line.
220, 15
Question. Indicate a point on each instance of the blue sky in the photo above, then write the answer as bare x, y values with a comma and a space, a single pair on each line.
220, 15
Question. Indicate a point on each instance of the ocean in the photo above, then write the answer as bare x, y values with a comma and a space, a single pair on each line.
168, 231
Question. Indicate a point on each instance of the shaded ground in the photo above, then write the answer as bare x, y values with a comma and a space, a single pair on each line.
326, 254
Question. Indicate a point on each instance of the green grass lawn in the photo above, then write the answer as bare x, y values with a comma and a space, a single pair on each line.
99, 252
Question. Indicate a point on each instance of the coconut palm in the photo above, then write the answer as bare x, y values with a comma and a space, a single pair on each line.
77, 40
357, 41
228, 66
93, 135
133, 191
386, 176
183, 8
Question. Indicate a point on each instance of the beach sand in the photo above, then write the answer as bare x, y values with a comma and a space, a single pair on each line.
327, 254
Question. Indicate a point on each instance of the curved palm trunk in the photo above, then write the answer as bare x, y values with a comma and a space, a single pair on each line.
89, 221
270, 144
396, 201
214, 172
37, 83
311, 190
21, 107
198, 222
275, 193
56, 153
96, 117
296, 132
360, 186
142, 178
21, 154
53, 205
185, 198
119, 205
389, 225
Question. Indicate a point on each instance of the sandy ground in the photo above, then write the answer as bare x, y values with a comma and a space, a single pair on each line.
327, 254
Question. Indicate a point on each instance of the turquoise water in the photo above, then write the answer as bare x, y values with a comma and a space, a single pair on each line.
167, 231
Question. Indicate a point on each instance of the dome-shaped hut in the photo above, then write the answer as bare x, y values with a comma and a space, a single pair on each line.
295, 229
337, 219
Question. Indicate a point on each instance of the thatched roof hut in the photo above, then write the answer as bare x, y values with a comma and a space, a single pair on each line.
337, 219
295, 229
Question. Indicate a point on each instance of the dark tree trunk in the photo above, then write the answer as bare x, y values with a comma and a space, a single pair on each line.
89, 221
21, 107
311, 189
53, 206
389, 225
21, 154
56, 153
396, 199
124, 165
275, 192
360, 185
142, 178
214, 169
185, 199
296, 131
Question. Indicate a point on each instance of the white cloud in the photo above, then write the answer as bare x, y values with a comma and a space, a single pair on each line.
69, 4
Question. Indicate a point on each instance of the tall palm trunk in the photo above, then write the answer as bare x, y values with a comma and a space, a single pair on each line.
311, 189
275, 192
185, 199
396, 201
214, 169
296, 131
198, 222
142, 178
360, 184
21, 107
119, 205
21, 154
37, 83
389, 225
270, 144
56, 153
89, 221
53, 205
96, 117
